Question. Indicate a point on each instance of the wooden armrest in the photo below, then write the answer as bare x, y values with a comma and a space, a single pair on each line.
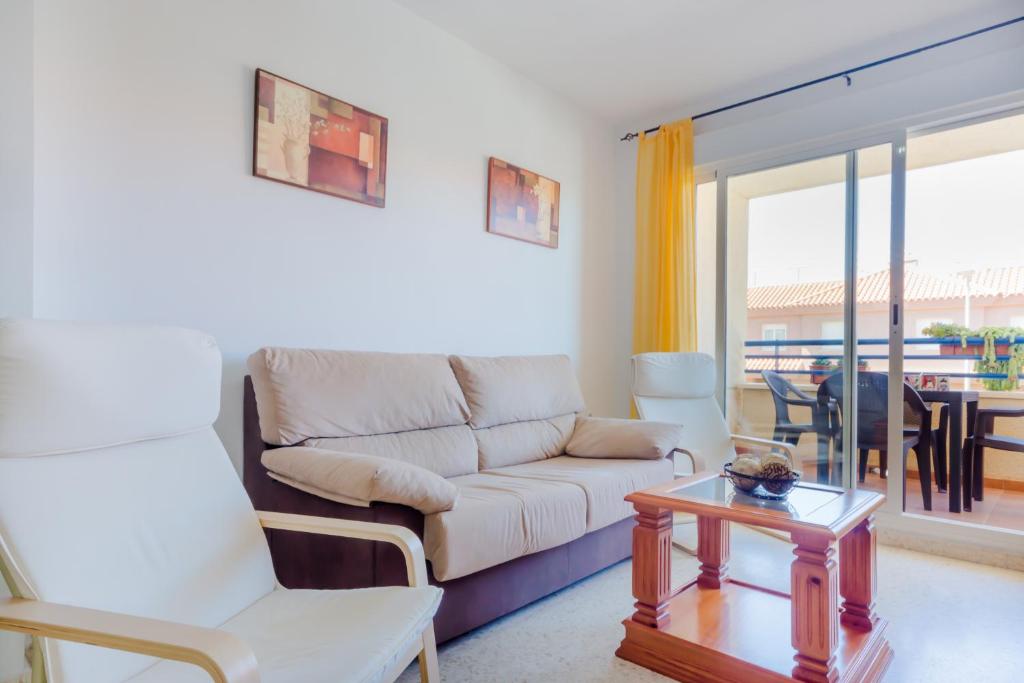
405, 539
222, 655
786, 448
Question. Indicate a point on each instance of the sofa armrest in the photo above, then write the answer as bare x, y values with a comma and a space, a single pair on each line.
606, 437
221, 654
360, 479
404, 539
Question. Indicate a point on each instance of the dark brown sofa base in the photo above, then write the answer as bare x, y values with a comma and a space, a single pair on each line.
306, 561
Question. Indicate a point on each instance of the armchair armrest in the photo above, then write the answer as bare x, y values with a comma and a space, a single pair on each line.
697, 463
406, 540
786, 448
222, 655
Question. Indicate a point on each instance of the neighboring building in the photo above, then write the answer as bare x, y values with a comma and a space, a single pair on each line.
814, 310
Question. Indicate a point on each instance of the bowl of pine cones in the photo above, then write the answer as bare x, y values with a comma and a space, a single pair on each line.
769, 476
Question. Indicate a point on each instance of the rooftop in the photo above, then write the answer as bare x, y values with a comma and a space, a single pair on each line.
874, 288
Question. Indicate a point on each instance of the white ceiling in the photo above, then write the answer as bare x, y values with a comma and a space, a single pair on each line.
622, 60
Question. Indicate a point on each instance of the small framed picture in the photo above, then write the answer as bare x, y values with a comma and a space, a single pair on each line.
522, 204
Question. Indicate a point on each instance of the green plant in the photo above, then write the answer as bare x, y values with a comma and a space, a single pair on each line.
989, 362
822, 362
944, 330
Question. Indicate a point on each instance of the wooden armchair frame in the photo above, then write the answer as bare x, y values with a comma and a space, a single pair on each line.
224, 656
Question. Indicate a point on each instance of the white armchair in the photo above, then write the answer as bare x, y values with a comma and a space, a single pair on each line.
130, 545
680, 388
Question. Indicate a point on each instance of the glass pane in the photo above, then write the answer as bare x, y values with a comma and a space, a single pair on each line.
964, 306
785, 259
874, 217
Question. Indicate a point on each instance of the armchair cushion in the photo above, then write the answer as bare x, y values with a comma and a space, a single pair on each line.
360, 479
605, 437
318, 636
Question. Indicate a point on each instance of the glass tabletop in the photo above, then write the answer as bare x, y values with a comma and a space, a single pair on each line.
803, 501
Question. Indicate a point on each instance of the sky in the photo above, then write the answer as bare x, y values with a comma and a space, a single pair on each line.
959, 216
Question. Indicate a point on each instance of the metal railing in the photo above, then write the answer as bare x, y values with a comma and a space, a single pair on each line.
955, 342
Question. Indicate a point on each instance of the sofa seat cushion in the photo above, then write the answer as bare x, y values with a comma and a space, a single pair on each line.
318, 636
500, 518
606, 481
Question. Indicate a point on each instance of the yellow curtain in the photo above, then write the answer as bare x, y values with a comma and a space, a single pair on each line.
665, 305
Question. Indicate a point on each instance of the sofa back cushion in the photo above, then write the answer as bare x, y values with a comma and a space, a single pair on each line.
522, 408
448, 451
403, 406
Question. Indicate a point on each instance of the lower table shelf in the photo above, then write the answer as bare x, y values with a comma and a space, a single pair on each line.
741, 632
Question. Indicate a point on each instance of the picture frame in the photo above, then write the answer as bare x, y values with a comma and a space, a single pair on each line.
308, 139
521, 204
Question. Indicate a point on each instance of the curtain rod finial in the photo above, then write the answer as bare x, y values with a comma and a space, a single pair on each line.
629, 136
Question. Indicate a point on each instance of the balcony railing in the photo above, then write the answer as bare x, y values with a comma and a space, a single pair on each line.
776, 345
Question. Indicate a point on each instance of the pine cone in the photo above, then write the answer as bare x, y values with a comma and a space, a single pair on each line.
779, 471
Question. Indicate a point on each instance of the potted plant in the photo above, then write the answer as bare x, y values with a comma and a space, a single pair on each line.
949, 331
862, 365
821, 368
1010, 365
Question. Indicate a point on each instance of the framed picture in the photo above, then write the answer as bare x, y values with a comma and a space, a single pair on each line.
308, 139
522, 204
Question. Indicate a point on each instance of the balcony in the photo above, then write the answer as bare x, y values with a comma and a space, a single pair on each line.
951, 361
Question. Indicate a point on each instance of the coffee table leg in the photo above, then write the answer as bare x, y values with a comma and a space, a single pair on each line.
652, 565
858, 576
712, 551
815, 587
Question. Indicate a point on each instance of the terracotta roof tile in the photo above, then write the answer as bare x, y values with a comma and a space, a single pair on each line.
874, 288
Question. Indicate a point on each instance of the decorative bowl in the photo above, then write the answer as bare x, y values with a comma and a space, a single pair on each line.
768, 488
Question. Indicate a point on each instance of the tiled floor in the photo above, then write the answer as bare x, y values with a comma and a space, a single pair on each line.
949, 621
1001, 508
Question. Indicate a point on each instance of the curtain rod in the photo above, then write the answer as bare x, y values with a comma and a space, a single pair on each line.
841, 74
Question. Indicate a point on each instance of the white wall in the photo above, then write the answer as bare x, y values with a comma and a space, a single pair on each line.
16, 159
146, 209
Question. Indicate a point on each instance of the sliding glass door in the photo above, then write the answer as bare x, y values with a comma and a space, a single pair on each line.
805, 256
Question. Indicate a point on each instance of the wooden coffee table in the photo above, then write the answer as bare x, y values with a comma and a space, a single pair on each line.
719, 629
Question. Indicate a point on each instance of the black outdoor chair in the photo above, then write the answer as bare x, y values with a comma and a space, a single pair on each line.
781, 388
985, 437
873, 425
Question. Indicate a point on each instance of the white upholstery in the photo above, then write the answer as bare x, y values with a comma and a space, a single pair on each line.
360, 477
609, 437
516, 442
313, 636
507, 389
71, 374
680, 388
500, 518
137, 508
605, 481
447, 451
306, 393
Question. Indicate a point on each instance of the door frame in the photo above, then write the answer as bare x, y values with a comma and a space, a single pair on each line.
958, 538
